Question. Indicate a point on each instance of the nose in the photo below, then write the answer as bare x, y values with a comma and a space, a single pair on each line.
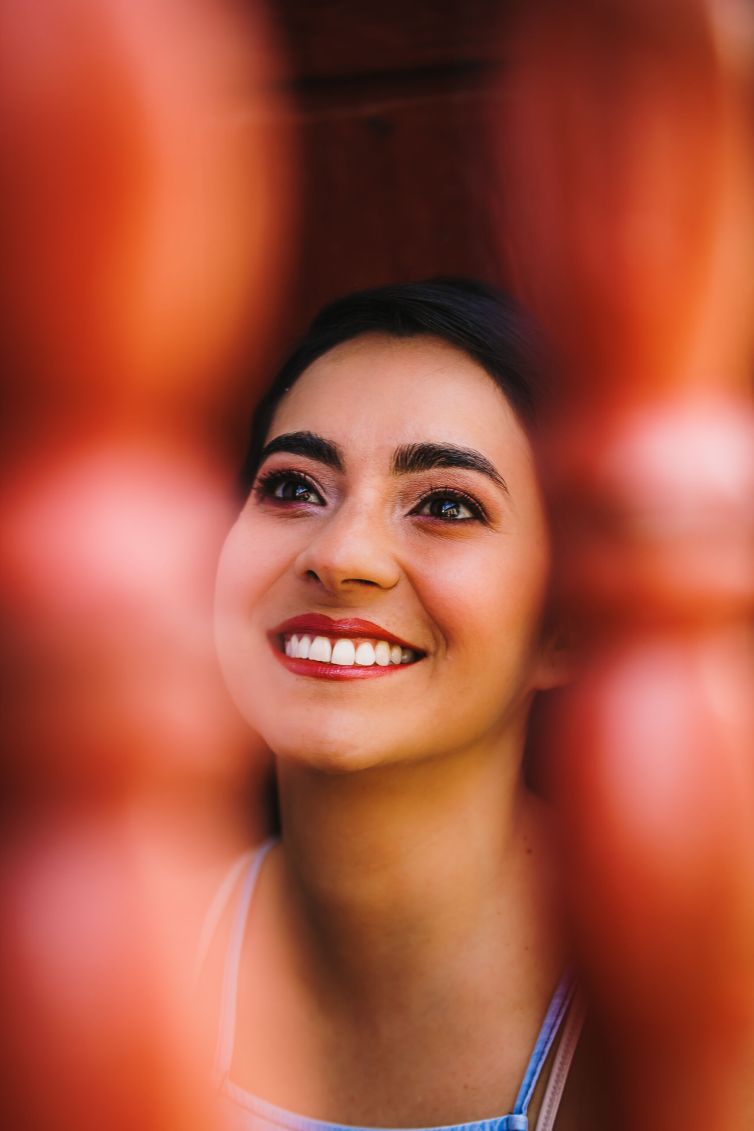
350, 551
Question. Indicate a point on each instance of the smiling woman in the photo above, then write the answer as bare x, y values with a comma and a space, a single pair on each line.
381, 623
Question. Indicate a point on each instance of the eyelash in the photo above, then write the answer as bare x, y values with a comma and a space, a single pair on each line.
266, 483
477, 510
264, 488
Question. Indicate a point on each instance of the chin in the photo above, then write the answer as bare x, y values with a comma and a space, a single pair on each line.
329, 749
326, 758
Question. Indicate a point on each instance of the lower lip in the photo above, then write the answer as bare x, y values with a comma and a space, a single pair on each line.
317, 670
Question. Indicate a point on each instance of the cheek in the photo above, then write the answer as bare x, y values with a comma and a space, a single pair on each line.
245, 571
250, 562
237, 572
486, 601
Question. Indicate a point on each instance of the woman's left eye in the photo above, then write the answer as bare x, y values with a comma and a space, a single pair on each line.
449, 507
288, 487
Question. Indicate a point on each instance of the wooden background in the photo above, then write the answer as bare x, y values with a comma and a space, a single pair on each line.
392, 105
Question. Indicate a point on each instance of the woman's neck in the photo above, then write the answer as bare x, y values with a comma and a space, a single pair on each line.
394, 872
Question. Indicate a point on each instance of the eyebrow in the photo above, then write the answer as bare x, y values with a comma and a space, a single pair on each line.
306, 444
408, 459
423, 457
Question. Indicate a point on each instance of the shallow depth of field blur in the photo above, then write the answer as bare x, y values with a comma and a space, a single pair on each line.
185, 183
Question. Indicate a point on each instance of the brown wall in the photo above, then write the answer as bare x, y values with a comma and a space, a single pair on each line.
392, 103
398, 179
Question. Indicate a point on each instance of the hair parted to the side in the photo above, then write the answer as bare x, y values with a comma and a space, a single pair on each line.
485, 323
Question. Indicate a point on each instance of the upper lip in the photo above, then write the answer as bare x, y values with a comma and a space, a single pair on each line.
319, 624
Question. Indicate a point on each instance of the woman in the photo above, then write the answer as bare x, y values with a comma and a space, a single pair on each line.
381, 607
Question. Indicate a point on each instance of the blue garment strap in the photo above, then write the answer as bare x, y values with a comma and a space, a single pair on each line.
558, 1008
271, 1118
229, 996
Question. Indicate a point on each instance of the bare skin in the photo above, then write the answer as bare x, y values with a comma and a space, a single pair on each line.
403, 942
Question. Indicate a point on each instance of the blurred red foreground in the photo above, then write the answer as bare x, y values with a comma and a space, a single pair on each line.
630, 149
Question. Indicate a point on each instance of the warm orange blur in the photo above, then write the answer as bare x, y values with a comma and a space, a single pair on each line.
146, 203
145, 188
630, 155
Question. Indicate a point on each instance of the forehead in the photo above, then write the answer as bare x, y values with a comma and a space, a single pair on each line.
376, 391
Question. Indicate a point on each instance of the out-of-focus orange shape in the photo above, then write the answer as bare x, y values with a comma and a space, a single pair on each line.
107, 564
144, 182
628, 158
144, 198
631, 198
99, 1019
657, 514
656, 787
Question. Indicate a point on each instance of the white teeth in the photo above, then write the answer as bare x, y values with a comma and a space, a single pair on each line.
320, 649
344, 652
365, 654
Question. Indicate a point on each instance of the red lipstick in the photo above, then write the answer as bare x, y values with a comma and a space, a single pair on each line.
317, 624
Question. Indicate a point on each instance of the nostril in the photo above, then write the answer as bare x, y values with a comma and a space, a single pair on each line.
345, 581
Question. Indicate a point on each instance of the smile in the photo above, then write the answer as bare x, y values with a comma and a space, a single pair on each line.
314, 645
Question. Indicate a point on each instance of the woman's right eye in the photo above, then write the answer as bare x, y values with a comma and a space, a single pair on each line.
285, 487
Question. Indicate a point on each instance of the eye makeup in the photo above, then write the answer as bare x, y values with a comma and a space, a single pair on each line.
271, 486
289, 488
461, 499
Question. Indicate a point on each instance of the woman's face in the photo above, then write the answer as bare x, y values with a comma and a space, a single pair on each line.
398, 489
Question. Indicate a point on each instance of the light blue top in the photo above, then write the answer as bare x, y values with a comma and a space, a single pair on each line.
243, 1111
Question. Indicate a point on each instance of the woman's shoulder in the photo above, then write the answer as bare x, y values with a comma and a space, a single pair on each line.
221, 886
222, 883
